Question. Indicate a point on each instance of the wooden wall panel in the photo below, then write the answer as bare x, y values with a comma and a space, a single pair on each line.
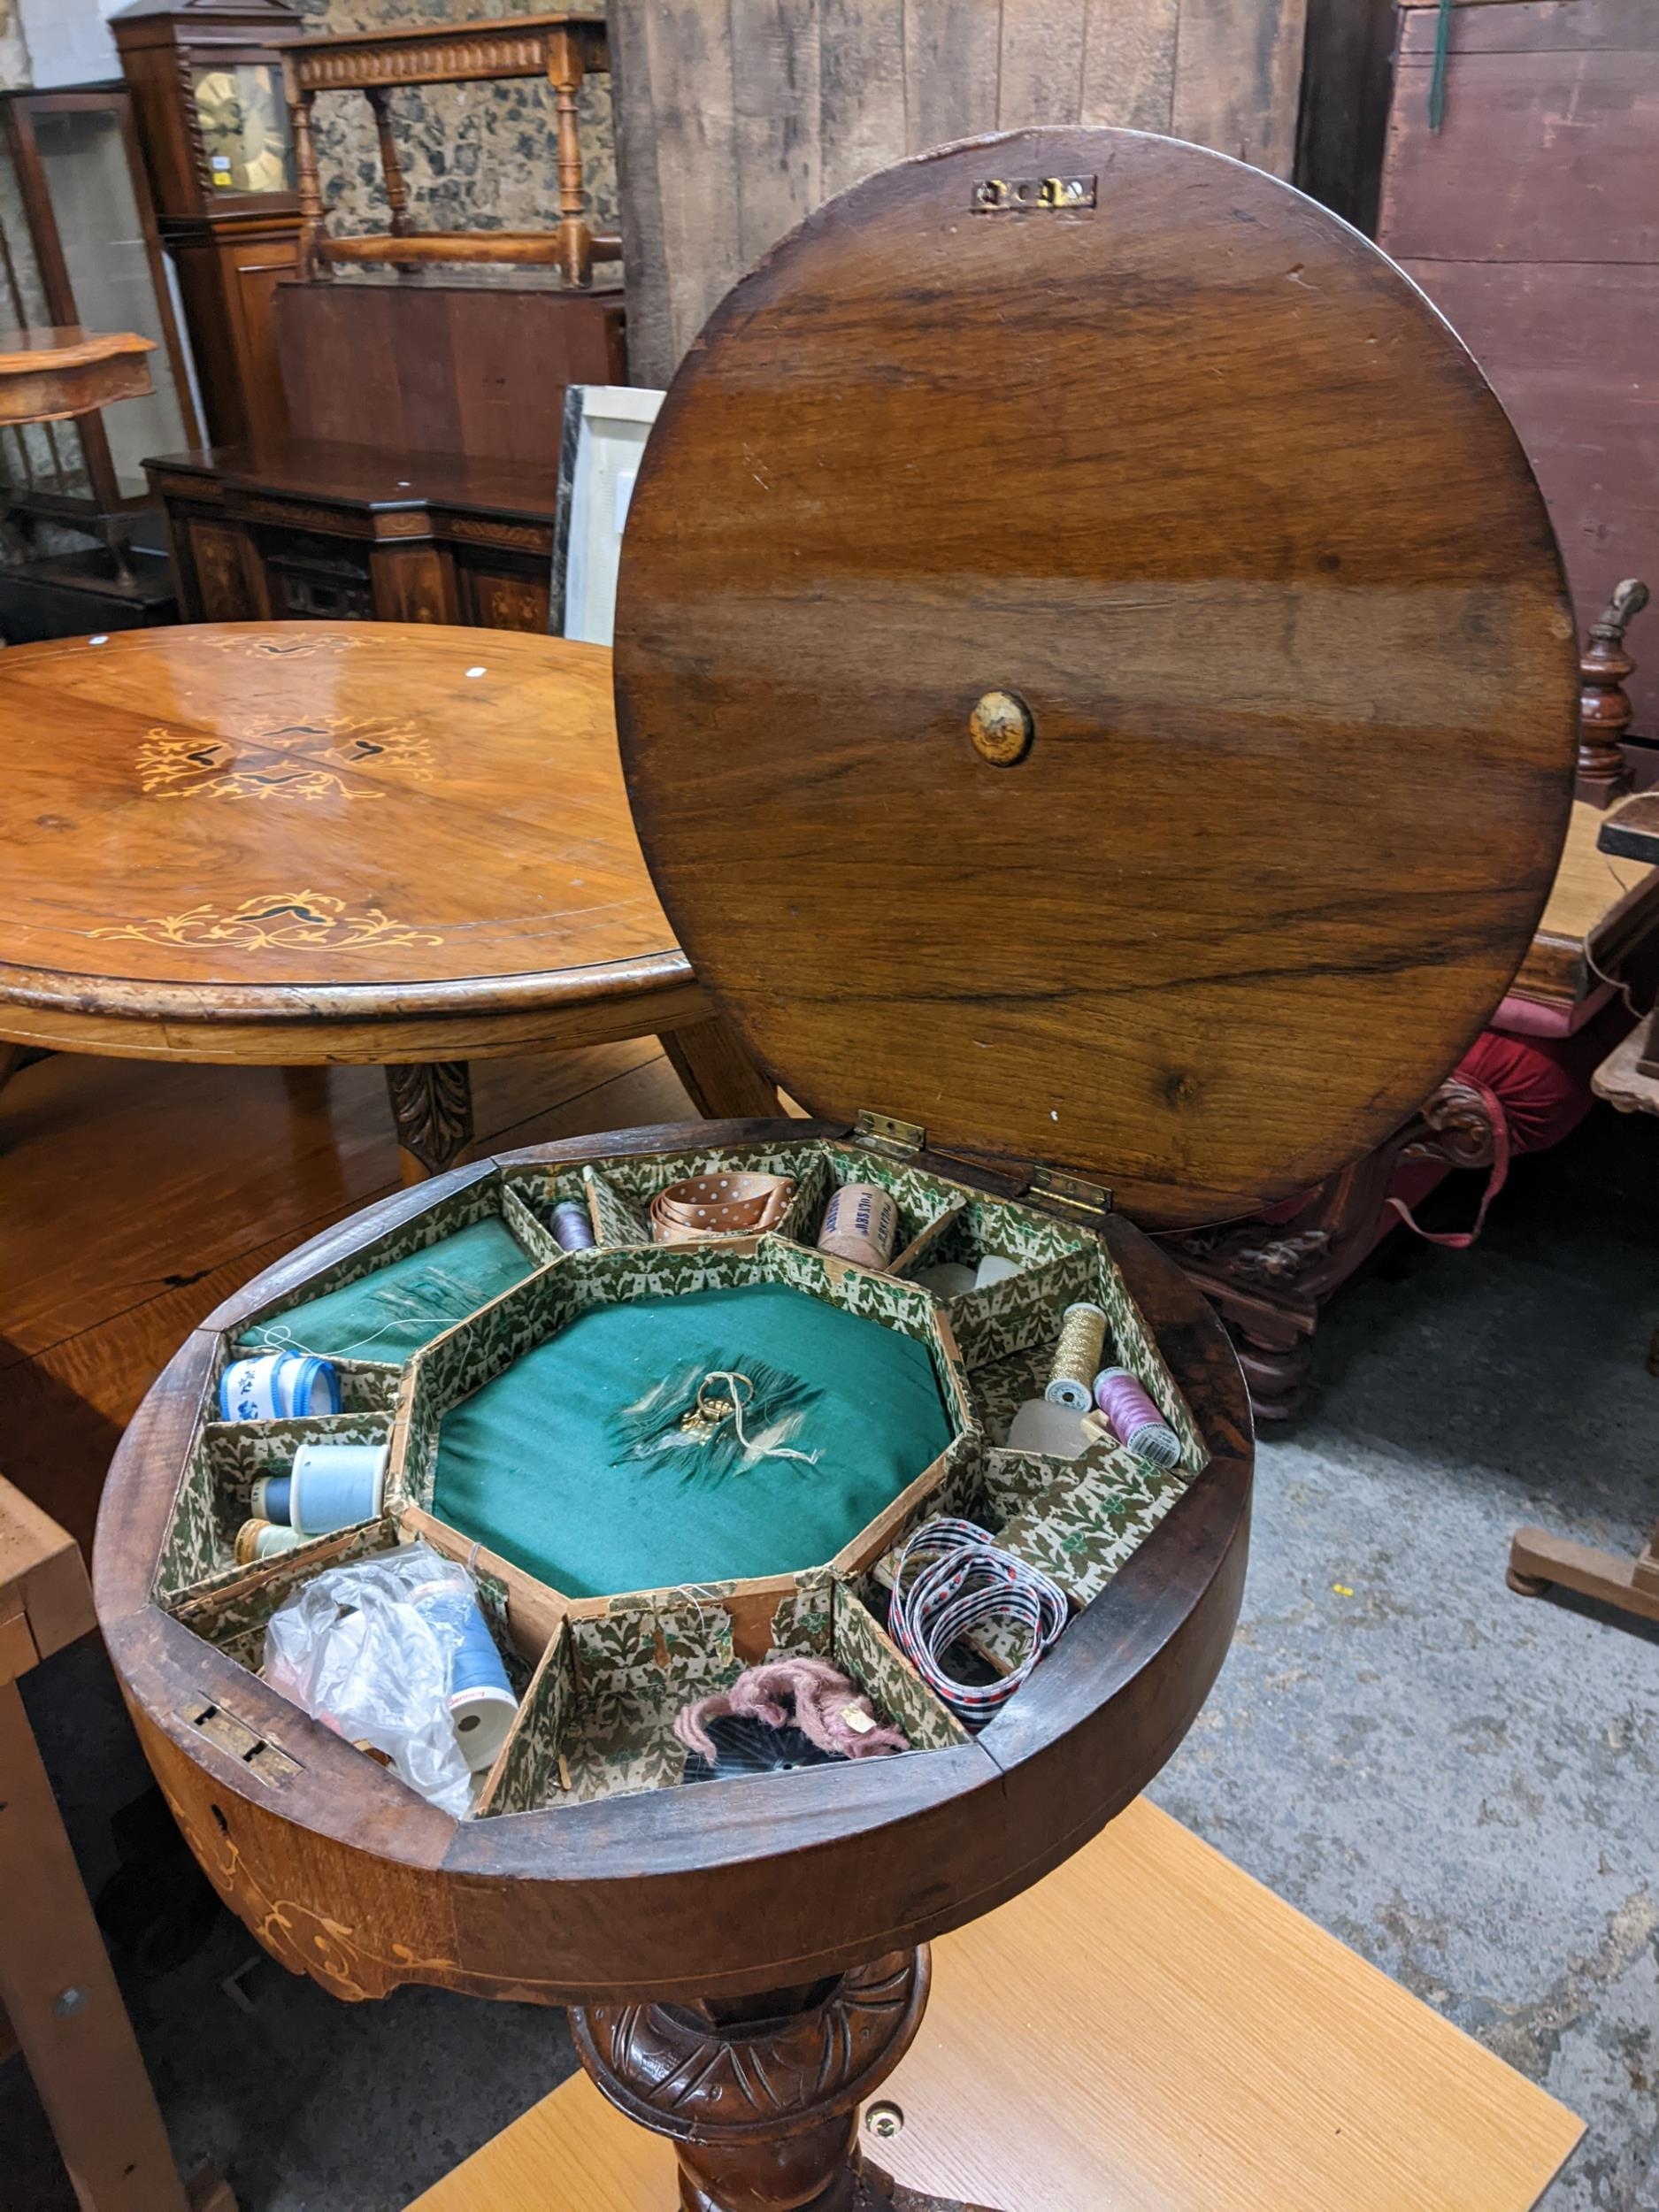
1238, 72
1129, 64
952, 59
1040, 78
734, 121
1532, 219
1544, 156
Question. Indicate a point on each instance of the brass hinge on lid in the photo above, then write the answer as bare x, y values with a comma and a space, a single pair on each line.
883, 1132
1070, 1194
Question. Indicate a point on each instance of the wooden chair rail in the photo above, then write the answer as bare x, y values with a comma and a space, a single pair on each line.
565, 48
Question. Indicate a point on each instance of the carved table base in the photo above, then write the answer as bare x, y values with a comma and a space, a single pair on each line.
761, 2095
432, 1104
1268, 1279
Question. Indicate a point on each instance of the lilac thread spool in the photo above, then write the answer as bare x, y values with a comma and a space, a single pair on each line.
482, 1706
572, 1231
278, 1387
334, 1486
1136, 1420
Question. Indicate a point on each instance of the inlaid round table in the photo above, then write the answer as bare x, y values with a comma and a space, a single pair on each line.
290, 845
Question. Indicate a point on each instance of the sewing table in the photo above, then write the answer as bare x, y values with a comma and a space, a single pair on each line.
387, 844
1044, 710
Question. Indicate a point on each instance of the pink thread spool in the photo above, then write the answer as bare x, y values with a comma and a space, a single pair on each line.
1135, 1420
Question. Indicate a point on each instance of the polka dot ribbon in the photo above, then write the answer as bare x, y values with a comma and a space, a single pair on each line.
703, 1207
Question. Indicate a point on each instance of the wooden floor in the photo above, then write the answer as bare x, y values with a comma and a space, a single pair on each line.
1147, 2031
133, 1196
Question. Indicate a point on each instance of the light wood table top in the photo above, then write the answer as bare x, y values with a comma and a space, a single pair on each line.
57, 370
1189, 2042
1600, 909
298, 844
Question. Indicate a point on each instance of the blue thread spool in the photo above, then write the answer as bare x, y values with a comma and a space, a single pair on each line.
572, 1231
270, 1498
334, 1486
278, 1387
482, 1706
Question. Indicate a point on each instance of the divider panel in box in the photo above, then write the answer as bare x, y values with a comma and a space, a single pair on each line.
558, 1426
999, 1388
1078, 1521
394, 1293
598, 1721
213, 1498
232, 1613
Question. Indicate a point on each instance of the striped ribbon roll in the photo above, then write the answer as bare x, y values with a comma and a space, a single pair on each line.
951, 1578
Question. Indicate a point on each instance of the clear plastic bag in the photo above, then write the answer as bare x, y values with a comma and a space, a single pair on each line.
368, 1649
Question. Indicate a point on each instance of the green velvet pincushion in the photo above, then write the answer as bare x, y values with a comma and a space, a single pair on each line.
532, 1465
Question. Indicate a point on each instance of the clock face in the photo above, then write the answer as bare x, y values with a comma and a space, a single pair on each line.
243, 121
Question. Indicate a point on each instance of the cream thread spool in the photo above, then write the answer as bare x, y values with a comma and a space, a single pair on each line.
1077, 1358
861, 1224
263, 1539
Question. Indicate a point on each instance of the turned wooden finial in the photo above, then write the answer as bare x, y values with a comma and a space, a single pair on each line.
1603, 710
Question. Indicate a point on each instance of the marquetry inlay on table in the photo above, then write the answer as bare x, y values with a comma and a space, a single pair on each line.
390, 843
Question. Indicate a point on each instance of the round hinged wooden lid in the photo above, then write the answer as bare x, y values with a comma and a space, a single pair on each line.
1094, 673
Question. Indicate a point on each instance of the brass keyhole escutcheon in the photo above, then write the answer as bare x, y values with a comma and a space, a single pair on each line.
1001, 728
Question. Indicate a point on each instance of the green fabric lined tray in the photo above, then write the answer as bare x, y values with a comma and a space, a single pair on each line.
393, 1313
530, 1466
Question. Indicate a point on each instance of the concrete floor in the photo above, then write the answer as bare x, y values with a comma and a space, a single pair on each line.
1457, 1782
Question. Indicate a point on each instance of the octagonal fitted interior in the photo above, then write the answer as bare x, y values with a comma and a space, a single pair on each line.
499, 1370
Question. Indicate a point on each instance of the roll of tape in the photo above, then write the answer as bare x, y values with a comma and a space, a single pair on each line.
278, 1387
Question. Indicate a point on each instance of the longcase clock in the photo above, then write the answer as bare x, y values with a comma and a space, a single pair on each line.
206, 80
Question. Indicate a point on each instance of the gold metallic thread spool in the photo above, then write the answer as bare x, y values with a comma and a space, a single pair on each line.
1077, 1359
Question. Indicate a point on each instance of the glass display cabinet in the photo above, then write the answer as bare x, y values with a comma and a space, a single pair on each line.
80, 247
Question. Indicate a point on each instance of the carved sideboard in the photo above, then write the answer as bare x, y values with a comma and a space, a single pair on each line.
303, 531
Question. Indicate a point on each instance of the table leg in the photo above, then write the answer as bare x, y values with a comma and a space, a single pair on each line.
761, 2095
1539, 1560
723, 1082
432, 1104
61, 1998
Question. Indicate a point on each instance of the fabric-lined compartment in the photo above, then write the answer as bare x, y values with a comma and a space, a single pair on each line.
598, 1720
1000, 1386
617, 1194
1077, 1521
529, 1465
392, 1311
514, 1245
232, 1612
213, 1499
365, 1386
